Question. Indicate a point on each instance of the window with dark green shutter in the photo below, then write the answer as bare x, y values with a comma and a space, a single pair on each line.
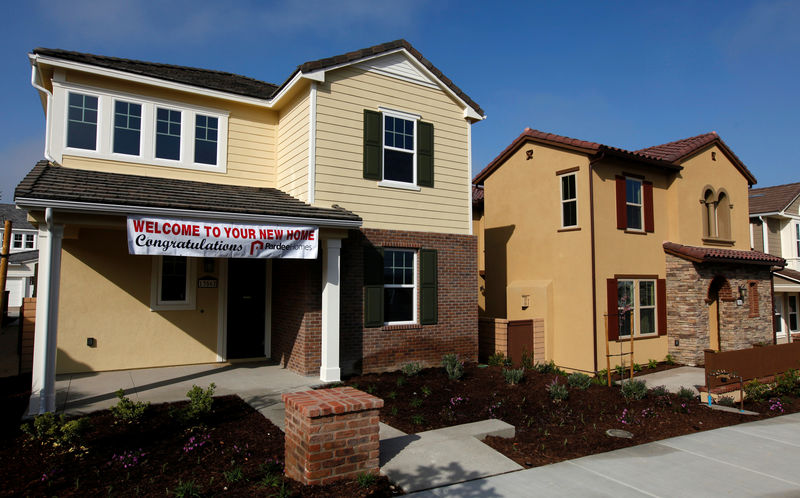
398, 149
373, 286
425, 154
373, 145
428, 287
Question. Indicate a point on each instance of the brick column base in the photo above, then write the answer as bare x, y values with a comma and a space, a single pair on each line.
331, 434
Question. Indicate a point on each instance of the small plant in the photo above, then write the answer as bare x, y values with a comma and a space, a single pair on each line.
393, 411
514, 376
127, 459
686, 394
558, 392
775, 405
726, 401
669, 360
453, 366
497, 360
756, 391
651, 364
415, 402
527, 359
788, 384
626, 418
601, 377
187, 489
659, 391
579, 380
548, 368
637, 367
200, 401
426, 391
270, 481
620, 369
401, 381
391, 395
127, 410
371, 389
366, 479
411, 369
57, 431
196, 442
233, 475
417, 419
634, 389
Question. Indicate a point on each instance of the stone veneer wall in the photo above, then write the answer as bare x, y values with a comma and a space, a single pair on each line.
687, 310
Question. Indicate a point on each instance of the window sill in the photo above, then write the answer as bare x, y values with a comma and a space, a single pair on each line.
635, 231
173, 307
638, 337
713, 241
569, 229
398, 185
401, 326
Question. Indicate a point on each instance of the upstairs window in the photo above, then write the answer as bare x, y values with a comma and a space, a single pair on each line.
16, 243
30, 241
398, 149
716, 213
168, 134
569, 201
797, 238
127, 127
633, 203
205, 139
82, 121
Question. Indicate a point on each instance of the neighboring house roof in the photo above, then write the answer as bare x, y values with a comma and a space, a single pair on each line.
242, 85
23, 257
584, 146
714, 255
18, 217
678, 150
789, 274
773, 199
477, 195
50, 182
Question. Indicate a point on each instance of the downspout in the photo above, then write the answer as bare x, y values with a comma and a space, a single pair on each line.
34, 73
591, 236
772, 310
764, 237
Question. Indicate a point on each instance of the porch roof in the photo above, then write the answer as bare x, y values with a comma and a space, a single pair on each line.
51, 185
715, 255
789, 274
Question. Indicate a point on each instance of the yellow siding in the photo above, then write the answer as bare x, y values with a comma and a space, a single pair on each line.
105, 294
292, 147
341, 101
251, 138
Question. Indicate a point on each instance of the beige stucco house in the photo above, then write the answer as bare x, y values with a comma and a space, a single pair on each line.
655, 242
187, 216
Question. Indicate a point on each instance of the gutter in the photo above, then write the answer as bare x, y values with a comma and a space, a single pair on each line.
592, 242
49, 94
84, 207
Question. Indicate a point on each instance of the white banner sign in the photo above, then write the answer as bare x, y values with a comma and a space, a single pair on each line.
176, 237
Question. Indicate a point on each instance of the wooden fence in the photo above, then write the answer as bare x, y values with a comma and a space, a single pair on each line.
758, 362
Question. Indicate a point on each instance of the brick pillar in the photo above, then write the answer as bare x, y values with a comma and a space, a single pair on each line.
331, 434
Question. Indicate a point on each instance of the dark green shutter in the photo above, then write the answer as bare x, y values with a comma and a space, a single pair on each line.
428, 287
373, 145
424, 154
373, 286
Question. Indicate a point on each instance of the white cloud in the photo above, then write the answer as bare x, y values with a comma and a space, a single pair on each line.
18, 160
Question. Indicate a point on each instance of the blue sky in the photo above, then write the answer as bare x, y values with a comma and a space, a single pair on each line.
628, 74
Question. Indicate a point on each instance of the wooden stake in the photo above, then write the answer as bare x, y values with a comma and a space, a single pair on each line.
608, 353
631, 351
4, 262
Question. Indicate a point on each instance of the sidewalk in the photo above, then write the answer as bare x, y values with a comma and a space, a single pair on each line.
753, 459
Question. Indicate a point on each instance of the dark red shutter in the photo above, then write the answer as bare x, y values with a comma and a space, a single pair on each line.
661, 305
622, 211
613, 317
647, 191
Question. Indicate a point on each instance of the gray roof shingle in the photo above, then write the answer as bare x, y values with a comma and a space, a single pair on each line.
18, 217
47, 181
773, 199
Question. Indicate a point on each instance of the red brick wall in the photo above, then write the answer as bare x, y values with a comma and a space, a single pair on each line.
296, 314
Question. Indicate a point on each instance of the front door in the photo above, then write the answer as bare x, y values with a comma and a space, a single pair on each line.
247, 293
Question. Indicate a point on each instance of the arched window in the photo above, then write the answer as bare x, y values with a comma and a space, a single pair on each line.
723, 216
709, 214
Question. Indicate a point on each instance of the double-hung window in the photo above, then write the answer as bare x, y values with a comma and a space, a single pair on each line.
173, 283
636, 304
569, 201
16, 242
399, 286
399, 149
633, 203
792, 315
30, 241
82, 121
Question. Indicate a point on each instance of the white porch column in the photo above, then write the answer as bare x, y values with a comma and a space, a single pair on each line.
329, 370
43, 386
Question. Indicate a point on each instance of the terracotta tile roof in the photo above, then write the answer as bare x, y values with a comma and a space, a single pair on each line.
242, 85
714, 255
789, 273
204, 78
47, 181
773, 199
477, 195
587, 147
680, 149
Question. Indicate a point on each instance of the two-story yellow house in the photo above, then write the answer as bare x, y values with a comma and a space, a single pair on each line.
656, 241
189, 216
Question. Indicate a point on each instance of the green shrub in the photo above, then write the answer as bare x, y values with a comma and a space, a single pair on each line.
415, 402
366, 479
558, 392
187, 489
233, 475
651, 364
634, 389
417, 419
453, 366
527, 359
579, 380
546, 367
200, 402
601, 377
514, 376
426, 391
756, 391
686, 394
411, 369
57, 431
400, 381
669, 360
497, 359
620, 370
726, 401
637, 367
659, 391
788, 384
127, 410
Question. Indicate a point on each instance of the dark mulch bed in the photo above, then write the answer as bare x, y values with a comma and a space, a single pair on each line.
234, 436
546, 431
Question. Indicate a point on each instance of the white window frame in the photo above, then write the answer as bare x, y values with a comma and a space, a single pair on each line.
415, 118
574, 175
637, 307
640, 205
14, 240
797, 238
789, 313
156, 303
32, 238
105, 128
414, 287
781, 332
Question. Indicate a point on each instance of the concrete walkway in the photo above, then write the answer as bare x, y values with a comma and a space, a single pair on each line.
754, 459
259, 384
675, 378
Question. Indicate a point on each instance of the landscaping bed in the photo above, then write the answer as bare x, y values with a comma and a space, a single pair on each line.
547, 430
231, 451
